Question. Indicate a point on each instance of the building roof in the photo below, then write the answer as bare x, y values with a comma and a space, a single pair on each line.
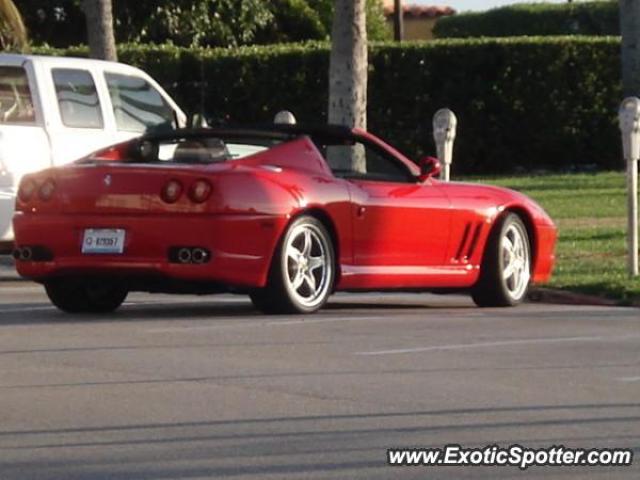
419, 11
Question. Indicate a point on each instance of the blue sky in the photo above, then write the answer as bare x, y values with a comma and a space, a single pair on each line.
476, 5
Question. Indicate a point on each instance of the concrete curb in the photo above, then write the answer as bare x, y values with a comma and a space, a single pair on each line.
562, 297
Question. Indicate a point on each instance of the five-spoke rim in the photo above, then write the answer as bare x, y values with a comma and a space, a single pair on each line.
308, 265
515, 261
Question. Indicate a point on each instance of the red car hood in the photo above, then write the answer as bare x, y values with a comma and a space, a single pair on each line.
488, 196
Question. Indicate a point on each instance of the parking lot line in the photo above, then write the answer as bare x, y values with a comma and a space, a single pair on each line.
504, 343
26, 309
279, 323
22, 289
304, 321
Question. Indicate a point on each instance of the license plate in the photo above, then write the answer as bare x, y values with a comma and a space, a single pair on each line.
103, 240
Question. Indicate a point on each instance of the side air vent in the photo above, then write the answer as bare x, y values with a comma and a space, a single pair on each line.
465, 236
474, 240
469, 241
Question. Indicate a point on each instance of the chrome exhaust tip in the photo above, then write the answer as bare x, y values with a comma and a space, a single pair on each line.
199, 255
17, 253
26, 254
184, 255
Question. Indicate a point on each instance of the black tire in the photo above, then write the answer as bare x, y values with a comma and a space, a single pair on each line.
74, 295
492, 288
280, 295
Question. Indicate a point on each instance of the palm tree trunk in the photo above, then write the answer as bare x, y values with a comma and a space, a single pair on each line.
630, 28
102, 42
348, 79
348, 65
13, 34
398, 21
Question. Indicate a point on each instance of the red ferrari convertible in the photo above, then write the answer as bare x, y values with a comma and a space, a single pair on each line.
286, 214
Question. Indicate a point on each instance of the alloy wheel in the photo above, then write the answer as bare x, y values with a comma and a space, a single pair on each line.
515, 261
308, 267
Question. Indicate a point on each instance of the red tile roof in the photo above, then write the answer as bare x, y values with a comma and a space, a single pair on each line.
419, 11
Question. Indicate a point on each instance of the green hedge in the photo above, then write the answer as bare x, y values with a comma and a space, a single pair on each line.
584, 18
522, 103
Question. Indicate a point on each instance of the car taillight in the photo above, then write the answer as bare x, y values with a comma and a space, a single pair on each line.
200, 191
115, 153
27, 189
171, 191
46, 190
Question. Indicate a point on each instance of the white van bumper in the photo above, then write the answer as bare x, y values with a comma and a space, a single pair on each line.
7, 206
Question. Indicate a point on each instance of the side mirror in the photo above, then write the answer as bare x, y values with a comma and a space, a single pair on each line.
430, 167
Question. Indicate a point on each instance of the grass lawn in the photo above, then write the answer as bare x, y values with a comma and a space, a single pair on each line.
590, 212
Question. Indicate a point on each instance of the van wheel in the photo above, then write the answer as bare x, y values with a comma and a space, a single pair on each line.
302, 271
74, 295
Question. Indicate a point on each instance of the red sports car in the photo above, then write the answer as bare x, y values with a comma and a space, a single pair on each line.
286, 214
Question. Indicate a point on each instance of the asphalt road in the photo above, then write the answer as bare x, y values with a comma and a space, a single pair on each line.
195, 388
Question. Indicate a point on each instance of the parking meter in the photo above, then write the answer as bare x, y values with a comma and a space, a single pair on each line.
444, 134
285, 117
630, 126
198, 120
629, 116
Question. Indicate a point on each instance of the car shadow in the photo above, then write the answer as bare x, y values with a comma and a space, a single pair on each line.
235, 307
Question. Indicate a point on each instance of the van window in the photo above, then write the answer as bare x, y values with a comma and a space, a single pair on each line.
16, 103
77, 98
137, 106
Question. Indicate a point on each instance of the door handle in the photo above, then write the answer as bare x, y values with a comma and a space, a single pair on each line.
361, 211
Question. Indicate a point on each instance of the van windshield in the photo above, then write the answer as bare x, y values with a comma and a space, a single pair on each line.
16, 103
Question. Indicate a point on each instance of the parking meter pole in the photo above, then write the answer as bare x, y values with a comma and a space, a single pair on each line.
629, 116
444, 134
632, 182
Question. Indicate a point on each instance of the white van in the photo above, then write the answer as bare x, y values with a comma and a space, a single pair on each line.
54, 110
